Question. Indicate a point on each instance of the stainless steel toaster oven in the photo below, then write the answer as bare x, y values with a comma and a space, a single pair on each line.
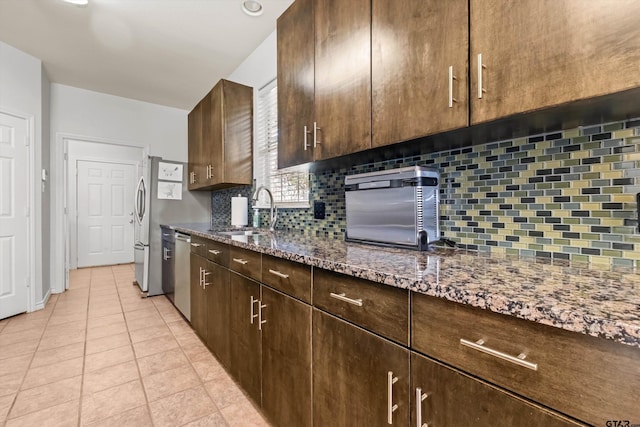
397, 207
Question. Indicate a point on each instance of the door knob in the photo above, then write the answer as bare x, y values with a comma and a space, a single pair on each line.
130, 213
130, 221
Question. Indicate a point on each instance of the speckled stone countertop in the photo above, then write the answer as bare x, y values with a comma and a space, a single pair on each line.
579, 298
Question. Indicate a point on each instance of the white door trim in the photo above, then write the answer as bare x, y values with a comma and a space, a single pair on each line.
31, 232
59, 221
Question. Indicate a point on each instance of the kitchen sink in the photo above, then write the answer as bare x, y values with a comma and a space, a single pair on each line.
243, 233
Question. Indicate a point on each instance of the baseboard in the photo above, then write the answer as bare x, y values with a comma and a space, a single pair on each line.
40, 305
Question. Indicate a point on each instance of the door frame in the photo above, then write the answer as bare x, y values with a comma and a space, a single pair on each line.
59, 204
74, 203
33, 215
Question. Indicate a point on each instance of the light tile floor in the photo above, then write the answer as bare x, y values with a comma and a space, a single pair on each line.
100, 355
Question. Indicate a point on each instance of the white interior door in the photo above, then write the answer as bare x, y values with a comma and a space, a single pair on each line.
14, 220
105, 213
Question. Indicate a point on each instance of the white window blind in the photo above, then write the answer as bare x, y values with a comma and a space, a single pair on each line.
290, 187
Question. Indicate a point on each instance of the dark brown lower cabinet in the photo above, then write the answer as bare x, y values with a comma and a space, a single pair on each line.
286, 359
246, 342
198, 296
442, 396
358, 377
218, 299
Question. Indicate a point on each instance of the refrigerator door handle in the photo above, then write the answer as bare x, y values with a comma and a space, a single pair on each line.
139, 205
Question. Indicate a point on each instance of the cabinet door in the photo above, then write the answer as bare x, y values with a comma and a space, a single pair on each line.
218, 299
450, 398
246, 349
351, 376
342, 76
295, 84
286, 359
237, 128
541, 53
194, 130
415, 45
211, 150
198, 313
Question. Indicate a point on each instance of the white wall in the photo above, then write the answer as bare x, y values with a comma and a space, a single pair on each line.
260, 67
100, 116
21, 92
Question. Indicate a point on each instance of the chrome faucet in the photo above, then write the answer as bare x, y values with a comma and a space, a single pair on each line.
274, 210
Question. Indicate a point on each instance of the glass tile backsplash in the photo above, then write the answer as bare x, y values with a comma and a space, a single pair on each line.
564, 195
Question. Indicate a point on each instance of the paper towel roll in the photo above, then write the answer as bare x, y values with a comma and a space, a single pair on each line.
239, 211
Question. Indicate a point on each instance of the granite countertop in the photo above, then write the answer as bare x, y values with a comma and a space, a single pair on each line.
599, 302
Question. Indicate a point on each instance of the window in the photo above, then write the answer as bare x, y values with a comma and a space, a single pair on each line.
290, 187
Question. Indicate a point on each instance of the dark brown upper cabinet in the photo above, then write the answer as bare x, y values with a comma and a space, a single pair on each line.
533, 54
296, 50
419, 68
221, 138
324, 80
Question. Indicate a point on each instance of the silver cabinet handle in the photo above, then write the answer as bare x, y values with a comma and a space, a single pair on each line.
315, 134
260, 321
209, 171
253, 301
201, 278
518, 360
240, 261
306, 143
277, 273
196, 245
165, 255
480, 68
342, 297
420, 397
451, 79
215, 252
391, 380
205, 273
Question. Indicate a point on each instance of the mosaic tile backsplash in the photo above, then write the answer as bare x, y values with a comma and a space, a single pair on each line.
565, 195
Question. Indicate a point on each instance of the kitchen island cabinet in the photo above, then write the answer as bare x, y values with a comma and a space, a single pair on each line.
534, 54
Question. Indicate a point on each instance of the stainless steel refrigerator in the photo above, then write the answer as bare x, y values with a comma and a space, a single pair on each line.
162, 197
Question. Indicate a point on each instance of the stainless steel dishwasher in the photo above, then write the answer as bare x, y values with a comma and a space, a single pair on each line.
182, 298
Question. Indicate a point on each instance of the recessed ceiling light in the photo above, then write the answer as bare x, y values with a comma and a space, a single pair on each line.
252, 7
77, 2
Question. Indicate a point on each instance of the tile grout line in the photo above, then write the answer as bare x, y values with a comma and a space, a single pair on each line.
15, 398
84, 351
133, 350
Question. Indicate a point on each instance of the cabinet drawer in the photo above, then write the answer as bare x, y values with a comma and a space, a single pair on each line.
379, 308
292, 278
218, 253
199, 246
245, 262
589, 378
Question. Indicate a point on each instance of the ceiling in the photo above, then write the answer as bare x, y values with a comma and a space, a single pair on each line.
168, 52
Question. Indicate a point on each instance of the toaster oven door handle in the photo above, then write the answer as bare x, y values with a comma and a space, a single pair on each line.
344, 298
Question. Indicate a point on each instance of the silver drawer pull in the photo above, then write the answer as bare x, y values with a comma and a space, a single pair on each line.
196, 245
213, 251
391, 408
518, 360
277, 273
420, 397
240, 261
342, 297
